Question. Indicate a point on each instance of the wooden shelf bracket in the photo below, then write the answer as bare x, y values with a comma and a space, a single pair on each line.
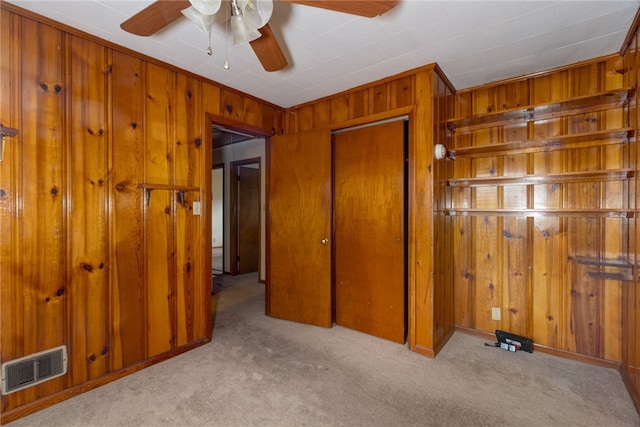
181, 190
4, 132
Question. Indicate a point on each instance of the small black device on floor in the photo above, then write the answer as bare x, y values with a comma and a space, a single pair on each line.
511, 342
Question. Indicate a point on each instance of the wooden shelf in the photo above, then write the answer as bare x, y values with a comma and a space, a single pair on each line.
583, 140
604, 262
582, 176
149, 186
577, 105
610, 276
580, 213
181, 189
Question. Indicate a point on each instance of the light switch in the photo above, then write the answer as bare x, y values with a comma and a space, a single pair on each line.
197, 209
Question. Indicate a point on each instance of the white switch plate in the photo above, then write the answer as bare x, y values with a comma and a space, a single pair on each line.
495, 313
197, 209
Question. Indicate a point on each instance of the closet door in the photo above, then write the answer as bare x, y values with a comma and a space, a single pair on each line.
369, 237
299, 283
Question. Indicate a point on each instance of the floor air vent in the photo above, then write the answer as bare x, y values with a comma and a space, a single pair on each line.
33, 369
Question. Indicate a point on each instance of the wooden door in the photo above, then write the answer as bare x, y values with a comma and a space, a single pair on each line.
369, 236
299, 228
248, 219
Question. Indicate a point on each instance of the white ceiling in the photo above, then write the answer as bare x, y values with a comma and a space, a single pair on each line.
474, 42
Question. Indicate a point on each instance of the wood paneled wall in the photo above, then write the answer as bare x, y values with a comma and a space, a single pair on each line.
630, 349
426, 96
100, 250
554, 271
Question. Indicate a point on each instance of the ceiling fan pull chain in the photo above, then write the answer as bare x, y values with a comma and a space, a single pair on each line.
226, 39
209, 50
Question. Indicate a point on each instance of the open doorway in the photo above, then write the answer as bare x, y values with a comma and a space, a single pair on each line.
241, 155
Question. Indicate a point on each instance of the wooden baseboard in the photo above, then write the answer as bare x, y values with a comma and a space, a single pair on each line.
425, 351
544, 349
45, 402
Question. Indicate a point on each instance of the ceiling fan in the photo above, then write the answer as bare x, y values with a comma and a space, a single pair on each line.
248, 18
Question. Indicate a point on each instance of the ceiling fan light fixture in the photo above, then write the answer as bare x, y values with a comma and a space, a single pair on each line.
256, 13
241, 32
202, 21
206, 7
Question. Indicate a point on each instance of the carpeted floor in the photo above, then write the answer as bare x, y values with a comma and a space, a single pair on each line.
260, 371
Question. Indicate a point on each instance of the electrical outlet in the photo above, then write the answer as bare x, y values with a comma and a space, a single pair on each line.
495, 313
197, 208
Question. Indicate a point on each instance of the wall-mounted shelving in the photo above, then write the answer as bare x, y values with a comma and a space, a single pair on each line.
536, 213
620, 263
571, 199
580, 176
583, 140
181, 189
576, 105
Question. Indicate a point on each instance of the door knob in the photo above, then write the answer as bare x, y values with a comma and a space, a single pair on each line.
324, 241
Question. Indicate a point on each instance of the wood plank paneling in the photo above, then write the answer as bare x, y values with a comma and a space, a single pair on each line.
630, 294
443, 230
43, 196
10, 291
84, 260
532, 273
128, 280
159, 212
421, 196
188, 171
211, 99
232, 105
12, 297
89, 296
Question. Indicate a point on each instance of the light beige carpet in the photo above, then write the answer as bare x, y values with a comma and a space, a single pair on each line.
260, 371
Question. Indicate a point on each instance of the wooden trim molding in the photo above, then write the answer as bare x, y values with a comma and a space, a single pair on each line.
548, 350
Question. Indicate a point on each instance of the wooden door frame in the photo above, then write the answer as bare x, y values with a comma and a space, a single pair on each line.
233, 220
215, 119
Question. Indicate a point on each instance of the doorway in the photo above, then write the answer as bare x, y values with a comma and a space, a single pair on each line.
241, 151
312, 231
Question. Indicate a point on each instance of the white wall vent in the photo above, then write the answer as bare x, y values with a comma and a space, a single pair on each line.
33, 369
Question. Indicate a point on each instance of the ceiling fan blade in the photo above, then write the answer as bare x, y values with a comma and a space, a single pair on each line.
366, 8
155, 17
268, 50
